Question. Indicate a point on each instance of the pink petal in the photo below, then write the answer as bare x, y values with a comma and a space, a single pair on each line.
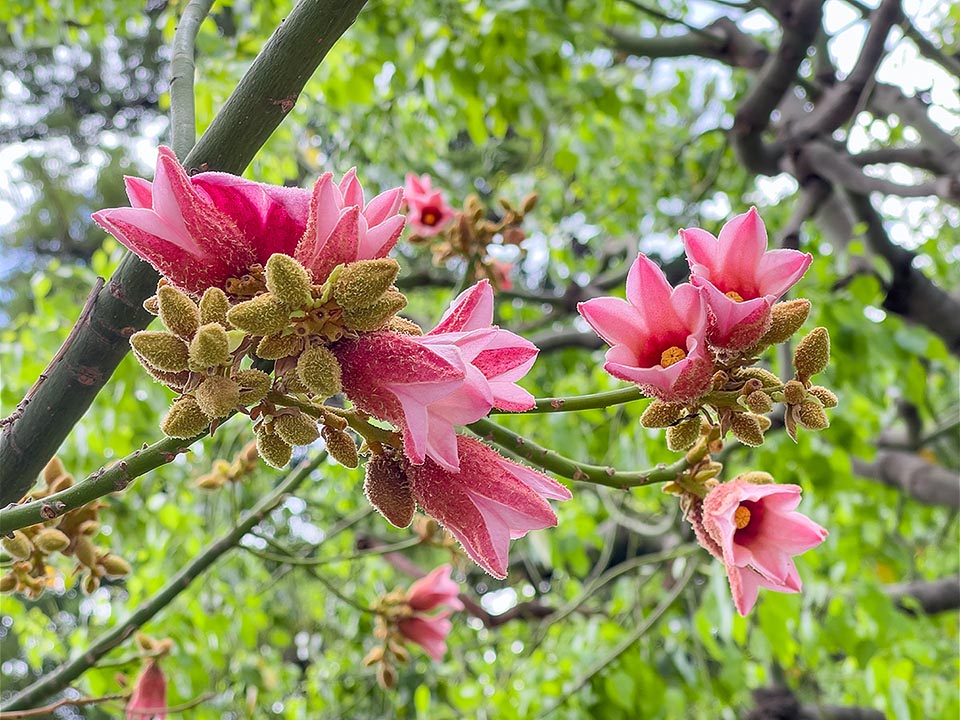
139, 191
471, 310
383, 206
779, 270
430, 633
614, 320
350, 189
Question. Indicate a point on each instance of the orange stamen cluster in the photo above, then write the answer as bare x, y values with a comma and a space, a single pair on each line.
741, 518
671, 356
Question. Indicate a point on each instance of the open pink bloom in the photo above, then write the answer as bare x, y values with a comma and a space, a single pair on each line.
451, 376
427, 593
757, 531
741, 278
428, 211
489, 502
149, 693
433, 590
198, 231
658, 334
342, 229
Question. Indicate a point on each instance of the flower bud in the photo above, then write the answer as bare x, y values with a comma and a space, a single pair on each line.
184, 419
682, 436
374, 656
254, 386
794, 392
529, 202
177, 311
274, 347
274, 451
218, 396
386, 676
746, 429
660, 414
264, 315
211, 481
764, 422
53, 469
403, 326
812, 354
362, 283
114, 565
756, 477
50, 540
786, 318
210, 347
759, 402
377, 315
90, 584
766, 377
288, 281
812, 416
214, 306
298, 429
85, 552
8, 583
341, 446
61, 483
824, 395
161, 350
319, 370
18, 547
151, 305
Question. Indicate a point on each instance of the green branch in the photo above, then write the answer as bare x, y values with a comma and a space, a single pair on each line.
183, 117
65, 674
575, 403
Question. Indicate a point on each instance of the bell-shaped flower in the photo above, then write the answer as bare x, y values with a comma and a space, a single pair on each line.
658, 334
758, 531
434, 590
489, 502
740, 277
199, 231
149, 698
427, 210
342, 229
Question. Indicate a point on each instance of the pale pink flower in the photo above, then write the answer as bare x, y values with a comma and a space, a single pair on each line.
658, 334
490, 501
757, 532
199, 231
342, 229
428, 593
741, 278
149, 693
427, 210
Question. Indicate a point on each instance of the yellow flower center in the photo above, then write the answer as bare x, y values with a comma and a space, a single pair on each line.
430, 217
735, 296
671, 356
741, 518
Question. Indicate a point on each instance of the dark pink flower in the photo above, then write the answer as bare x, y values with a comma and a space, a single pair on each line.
428, 211
149, 694
199, 231
758, 532
490, 501
428, 593
657, 334
741, 278
433, 590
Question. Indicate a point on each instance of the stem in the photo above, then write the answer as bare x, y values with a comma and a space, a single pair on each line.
576, 403
183, 118
565, 467
290, 559
65, 674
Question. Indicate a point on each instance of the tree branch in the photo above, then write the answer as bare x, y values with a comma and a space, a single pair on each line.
911, 474
933, 597
183, 117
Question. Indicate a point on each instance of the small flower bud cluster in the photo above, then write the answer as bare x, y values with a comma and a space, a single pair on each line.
391, 609
807, 403
71, 534
223, 472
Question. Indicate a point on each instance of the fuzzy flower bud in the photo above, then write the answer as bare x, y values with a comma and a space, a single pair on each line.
319, 370
812, 416
85, 552
50, 540
767, 378
288, 280
210, 347
114, 565
341, 446
403, 326
161, 350
362, 283
218, 396
812, 354
272, 448
254, 386
214, 306
53, 470
184, 419
275, 347
177, 311
375, 316
824, 395
8, 583
746, 429
264, 315
786, 318
759, 402
296, 429
388, 490
661, 414
794, 392
18, 547
682, 436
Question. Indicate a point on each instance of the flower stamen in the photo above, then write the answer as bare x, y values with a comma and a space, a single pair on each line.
741, 518
734, 295
430, 217
671, 356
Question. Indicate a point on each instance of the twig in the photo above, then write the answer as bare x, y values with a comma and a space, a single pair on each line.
183, 118
575, 403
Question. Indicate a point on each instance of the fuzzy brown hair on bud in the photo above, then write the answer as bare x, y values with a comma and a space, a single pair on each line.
275, 347
210, 347
160, 350
759, 402
812, 354
375, 316
812, 416
177, 311
18, 547
767, 378
786, 318
184, 419
218, 396
254, 386
272, 449
403, 326
214, 306
288, 280
264, 315
362, 283
319, 370
756, 477
341, 446
50, 540
85, 552
824, 395
682, 436
114, 565
794, 392
388, 490
660, 414
296, 429
746, 429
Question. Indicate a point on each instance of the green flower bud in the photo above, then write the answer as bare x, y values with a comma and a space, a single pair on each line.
362, 283
274, 347
746, 429
786, 318
50, 540
759, 402
341, 446
296, 429
376, 315
288, 280
210, 347
824, 395
403, 326
319, 370
660, 414
388, 490
18, 547
115, 566
214, 306
812, 354
274, 451
264, 315
794, 392
683, 435
218, 396
178, 312
812, 416
254, 386
160, 350
756, 477
184, 419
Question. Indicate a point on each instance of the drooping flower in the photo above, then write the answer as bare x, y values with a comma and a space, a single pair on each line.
198, 231
432, 591
657, 334
427, 210
489, 502
149, 698
755, 530
741, 278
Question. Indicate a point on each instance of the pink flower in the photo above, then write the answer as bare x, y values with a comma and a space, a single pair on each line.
149, 693
427, 593
490, 501
658, 334
198, 231
741, 278
501, 274
451, 376
341, 229
757, 531
428, 211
